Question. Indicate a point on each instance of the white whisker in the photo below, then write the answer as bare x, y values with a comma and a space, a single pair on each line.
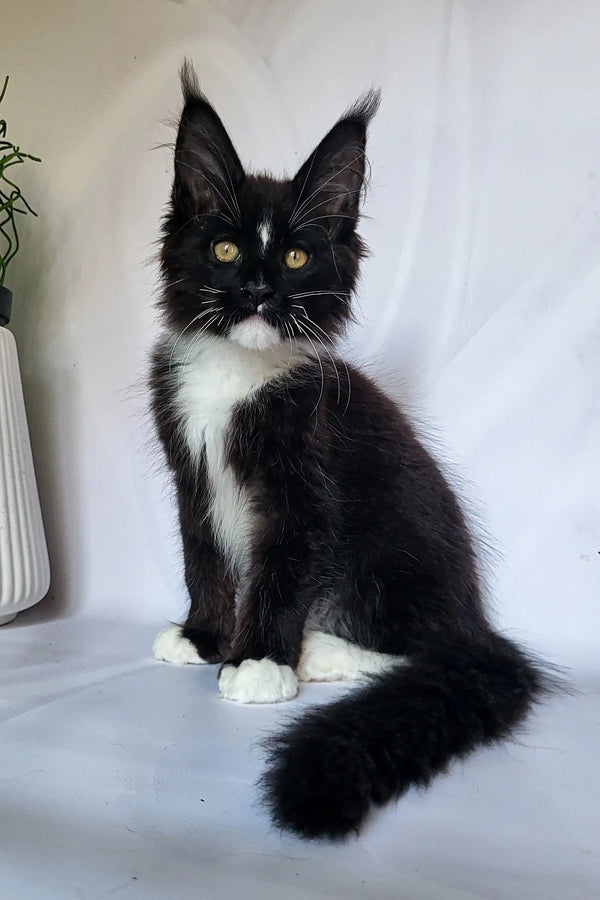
306, 224
342, 360
329, 354
345, 193
173, 283
190, 349
211, 183
200, 315
230, 186
325, 183
319, 293
181, 333
307, 336
215, 215
312, 161
290, 334
185, 224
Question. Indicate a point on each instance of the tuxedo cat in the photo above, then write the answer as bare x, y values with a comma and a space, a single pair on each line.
320, 539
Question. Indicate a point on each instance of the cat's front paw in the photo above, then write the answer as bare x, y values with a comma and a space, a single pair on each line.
258, 681
171, 646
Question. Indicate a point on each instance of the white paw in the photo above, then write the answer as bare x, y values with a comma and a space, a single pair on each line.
258, 681
170, 645
325, 657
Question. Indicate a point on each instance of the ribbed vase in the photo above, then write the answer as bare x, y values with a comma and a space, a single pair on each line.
24, 565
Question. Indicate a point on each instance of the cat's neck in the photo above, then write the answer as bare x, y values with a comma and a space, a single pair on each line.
212, 374
229, 365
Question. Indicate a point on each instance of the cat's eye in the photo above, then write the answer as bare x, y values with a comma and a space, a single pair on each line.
226, 251
295, 258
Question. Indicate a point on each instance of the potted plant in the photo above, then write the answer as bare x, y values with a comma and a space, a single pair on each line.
24, 566
12, 204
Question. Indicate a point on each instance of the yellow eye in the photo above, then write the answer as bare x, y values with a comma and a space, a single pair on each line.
226, 251
295, 258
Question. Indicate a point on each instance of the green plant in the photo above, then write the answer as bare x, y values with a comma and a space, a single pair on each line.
12, 201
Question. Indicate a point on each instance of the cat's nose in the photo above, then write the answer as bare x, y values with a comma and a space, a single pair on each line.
257, 292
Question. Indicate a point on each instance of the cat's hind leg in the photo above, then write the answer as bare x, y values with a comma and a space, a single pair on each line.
325, 657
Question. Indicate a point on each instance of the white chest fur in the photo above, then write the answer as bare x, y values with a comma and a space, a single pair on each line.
213, 375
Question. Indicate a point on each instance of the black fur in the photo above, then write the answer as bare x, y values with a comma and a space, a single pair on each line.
358, 527
335, 763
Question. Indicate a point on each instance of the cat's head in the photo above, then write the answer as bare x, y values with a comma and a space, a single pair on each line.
256, 259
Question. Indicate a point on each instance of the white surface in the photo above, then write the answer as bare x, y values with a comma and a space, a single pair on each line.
480, 303
125, 777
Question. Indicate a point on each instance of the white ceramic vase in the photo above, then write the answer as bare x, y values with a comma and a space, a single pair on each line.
24, 565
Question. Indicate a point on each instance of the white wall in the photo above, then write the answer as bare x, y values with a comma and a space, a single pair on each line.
481, 295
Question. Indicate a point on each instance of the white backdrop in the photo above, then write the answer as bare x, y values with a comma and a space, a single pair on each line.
479, 307
479, 304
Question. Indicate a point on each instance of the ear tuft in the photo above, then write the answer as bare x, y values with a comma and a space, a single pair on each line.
190, 86
365, 108
330, 183
208, 172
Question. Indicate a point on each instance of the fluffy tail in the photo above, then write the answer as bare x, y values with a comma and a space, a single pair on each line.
400, 730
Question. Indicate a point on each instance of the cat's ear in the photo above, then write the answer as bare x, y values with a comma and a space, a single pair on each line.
208, 172
330, 183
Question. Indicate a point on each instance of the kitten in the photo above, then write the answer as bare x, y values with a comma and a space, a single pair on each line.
320, 539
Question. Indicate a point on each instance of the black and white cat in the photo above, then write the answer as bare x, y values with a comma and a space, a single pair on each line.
321, 541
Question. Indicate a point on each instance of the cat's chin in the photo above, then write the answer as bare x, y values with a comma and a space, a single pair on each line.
255, 334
